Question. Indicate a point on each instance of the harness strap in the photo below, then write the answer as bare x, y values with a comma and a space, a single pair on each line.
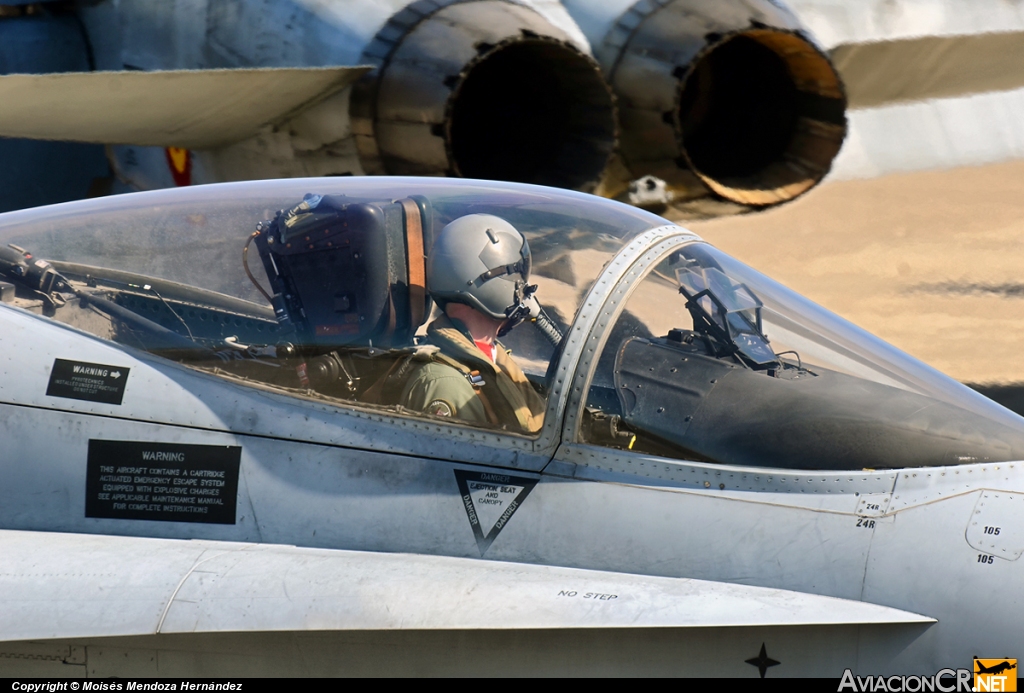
491, 415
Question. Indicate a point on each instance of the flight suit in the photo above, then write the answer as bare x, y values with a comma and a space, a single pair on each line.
461, 383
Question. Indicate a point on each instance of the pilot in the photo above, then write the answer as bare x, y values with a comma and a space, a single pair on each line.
477, 273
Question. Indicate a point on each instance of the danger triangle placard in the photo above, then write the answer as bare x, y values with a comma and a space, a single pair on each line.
490, 500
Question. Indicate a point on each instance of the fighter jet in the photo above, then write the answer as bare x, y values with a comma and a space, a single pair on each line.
211, 465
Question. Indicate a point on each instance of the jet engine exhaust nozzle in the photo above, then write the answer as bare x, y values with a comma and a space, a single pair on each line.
734, 93
483, 89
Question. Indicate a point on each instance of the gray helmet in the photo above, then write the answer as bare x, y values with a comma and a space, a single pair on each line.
482, 261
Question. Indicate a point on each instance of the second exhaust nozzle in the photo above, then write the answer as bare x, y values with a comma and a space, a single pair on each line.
731, 95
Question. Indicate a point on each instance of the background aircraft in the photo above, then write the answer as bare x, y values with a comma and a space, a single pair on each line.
484, 89
743, 99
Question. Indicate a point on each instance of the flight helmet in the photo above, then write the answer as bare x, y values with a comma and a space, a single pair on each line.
482, 261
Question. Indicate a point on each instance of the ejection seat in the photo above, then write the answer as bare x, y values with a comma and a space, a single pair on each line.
349, 281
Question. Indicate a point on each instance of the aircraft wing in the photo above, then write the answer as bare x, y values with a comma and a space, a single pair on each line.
879, 73
193, 109
74, 586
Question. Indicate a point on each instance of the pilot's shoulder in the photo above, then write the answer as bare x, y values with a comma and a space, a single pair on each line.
440, 368
441, 389
434, 376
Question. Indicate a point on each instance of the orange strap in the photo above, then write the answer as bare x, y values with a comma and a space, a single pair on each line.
417, 265
488, 409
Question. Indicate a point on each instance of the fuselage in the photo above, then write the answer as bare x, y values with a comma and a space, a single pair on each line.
103, 435
943, 542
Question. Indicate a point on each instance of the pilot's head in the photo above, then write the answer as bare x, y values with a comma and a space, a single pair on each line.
481, 261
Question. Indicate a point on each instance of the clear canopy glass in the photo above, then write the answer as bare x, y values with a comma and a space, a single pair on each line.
316, 288
711, 360
194, 273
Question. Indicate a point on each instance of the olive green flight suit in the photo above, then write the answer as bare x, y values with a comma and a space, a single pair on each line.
503, 397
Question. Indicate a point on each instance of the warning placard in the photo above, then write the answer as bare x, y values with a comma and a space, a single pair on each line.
490, 499
92, 382
171, 482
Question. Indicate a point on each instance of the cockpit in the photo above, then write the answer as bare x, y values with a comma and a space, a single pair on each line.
315, 290
709, 360
319, 295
